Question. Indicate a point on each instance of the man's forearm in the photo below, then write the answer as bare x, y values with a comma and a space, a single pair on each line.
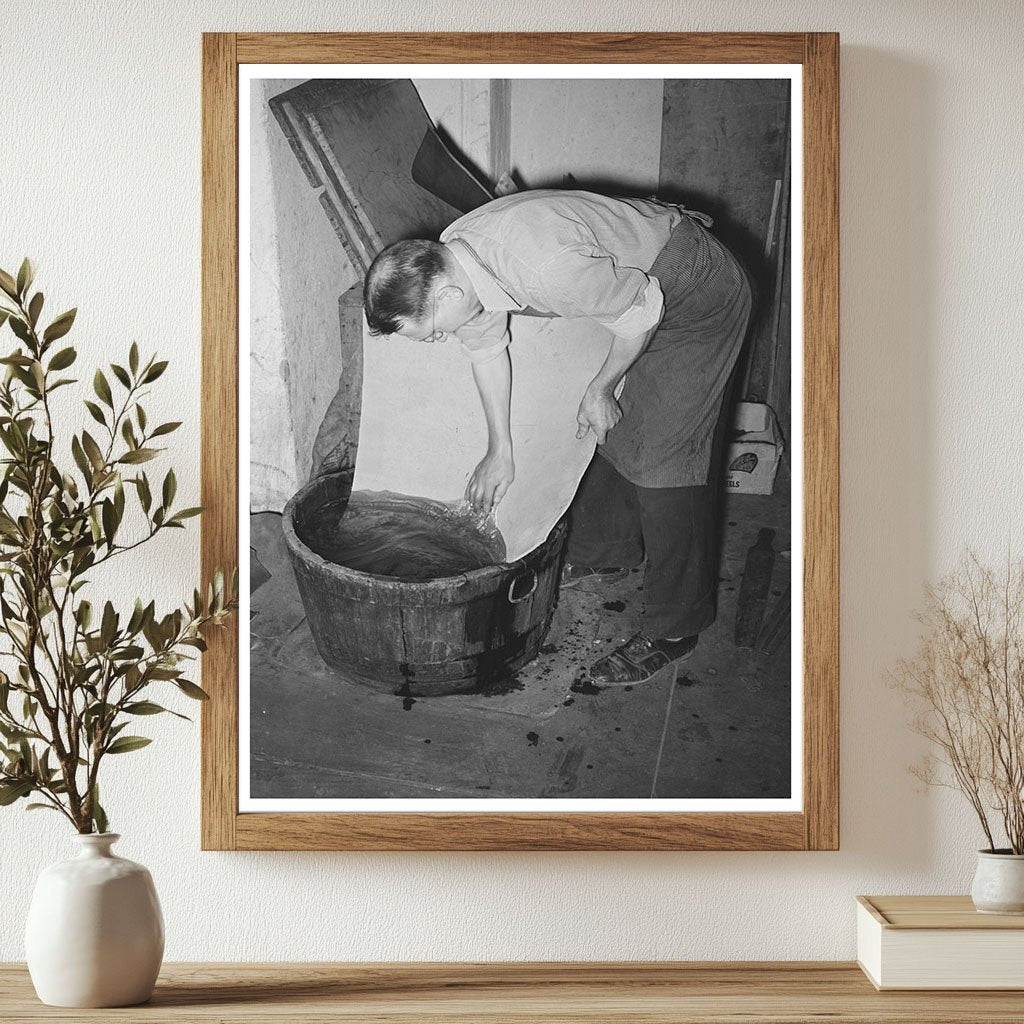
494, 383
623, 353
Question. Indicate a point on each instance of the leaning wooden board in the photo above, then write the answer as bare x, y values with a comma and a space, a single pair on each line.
358, 140
614, 993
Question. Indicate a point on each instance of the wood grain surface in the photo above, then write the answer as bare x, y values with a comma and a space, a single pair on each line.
612, 993
521, 48
219, 429
821, 441
817, 827
520, 831
941, 913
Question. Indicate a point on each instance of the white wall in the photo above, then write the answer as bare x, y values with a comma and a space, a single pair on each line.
100, 183
295, 337
601, 131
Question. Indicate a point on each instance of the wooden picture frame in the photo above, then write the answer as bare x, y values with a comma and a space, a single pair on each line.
816, 826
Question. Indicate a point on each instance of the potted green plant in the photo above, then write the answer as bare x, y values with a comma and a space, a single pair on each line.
82, 671
967, 681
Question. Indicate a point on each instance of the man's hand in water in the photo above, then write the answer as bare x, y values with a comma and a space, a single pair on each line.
490, 480
598, 412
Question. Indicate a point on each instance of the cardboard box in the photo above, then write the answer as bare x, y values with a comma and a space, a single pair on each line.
754, 451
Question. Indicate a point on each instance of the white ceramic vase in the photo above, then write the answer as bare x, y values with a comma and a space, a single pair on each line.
999, 883
95, 934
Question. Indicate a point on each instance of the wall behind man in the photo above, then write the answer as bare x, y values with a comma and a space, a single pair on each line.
605, 134
297, 269
101, 184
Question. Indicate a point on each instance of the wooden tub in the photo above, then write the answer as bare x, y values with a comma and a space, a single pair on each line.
451, 635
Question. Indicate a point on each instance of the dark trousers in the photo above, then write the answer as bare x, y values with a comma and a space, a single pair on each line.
613, 522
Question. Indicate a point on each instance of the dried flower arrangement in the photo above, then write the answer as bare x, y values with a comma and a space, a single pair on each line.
967, 679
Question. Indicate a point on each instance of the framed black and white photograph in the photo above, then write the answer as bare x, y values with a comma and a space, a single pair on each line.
534, 349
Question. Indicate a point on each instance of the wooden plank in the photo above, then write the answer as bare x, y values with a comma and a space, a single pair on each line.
525, 993
520, 831
500, 142
219, 428
359, 138
337, 440
780, 392
520, 47
821, 440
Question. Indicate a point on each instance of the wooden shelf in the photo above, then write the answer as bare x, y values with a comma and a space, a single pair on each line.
637, 993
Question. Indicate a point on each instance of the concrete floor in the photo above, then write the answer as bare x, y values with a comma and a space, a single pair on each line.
715, 726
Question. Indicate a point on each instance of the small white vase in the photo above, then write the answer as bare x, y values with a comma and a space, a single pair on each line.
95, 934
999, 883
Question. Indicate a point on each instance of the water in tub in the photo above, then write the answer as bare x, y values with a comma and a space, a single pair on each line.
408, 538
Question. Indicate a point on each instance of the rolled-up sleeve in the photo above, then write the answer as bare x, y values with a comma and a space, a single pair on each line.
584, 284
640, 317
485, 337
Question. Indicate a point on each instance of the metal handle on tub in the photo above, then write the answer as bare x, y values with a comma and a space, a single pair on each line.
512, 586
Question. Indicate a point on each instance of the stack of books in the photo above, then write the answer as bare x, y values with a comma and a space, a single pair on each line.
938, 942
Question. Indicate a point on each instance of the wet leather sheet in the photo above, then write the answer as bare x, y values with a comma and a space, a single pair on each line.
422, 429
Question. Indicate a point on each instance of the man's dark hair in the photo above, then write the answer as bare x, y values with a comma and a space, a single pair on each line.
400, 281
